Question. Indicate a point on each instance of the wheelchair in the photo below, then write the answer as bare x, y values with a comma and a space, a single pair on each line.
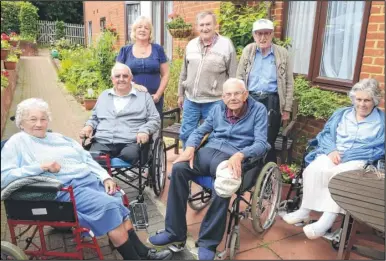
34, 207
154, 160
293, 199
260, 189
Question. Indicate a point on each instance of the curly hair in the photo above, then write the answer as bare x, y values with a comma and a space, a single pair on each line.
369, 85
23, 108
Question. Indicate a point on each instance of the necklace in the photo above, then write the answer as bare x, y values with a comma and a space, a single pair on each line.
142, 50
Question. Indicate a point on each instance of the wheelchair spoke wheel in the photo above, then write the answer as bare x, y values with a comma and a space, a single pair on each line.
159, 165
199, 197
266, 197
11, 252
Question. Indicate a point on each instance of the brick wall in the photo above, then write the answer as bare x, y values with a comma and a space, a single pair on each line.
188, 11
277, 14
373, 64
114, 12
7, 96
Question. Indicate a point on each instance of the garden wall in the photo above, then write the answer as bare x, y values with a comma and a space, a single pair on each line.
7, 96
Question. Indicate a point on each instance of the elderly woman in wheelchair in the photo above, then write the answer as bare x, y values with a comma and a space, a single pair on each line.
350, 138
238, 128
34, 152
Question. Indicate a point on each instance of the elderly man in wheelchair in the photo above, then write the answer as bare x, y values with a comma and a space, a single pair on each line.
120, 131
238, 131
34, 155
352, 138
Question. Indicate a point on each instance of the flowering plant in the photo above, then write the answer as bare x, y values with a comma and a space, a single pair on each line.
5, 44
288, 172
5, 73
5, 37
4, 79
111, 28
177, 22
14, 36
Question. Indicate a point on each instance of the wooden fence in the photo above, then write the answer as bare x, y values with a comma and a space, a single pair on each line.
47, 32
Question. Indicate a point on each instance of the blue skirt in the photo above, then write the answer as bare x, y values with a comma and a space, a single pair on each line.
96, 209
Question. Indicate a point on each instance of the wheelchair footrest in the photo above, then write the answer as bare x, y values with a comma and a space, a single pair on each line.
139, 216
177, 247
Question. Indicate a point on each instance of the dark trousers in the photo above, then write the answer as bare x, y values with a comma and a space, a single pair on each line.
272, 104
213, 226
127, 152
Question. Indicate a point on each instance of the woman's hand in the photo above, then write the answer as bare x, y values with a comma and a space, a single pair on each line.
140, 88
335, 157
52, 167
156, 98
110, 186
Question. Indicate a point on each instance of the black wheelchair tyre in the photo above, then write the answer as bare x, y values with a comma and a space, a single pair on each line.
11, 252
158, 168
269, 171
198, 204
234, 245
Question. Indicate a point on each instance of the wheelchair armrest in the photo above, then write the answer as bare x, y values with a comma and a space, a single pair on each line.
287, 130
250, 163
41, 187
172, 111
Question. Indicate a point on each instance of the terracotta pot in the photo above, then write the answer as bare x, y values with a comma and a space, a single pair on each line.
10, 65
4, 54
180, 33
284, 190
89, 104
13, 43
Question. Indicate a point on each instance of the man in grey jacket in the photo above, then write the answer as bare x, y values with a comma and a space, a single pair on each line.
267, 70
210, 59
122, 117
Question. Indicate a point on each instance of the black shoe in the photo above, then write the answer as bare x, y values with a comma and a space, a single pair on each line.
158, 255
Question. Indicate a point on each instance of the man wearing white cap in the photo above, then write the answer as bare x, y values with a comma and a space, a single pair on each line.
266, 69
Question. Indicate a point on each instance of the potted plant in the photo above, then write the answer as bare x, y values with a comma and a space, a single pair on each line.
18, 52
177, 27
10, 63
288, 172
5, 47
14, 39
4, 79
90, 99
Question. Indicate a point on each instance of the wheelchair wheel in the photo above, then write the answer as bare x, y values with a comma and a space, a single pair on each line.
159, 165
11, 252
199, 197
266, 197
234, 245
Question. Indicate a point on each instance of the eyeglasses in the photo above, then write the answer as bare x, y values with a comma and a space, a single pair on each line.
124, 76
34, 120
261, 34
236, 94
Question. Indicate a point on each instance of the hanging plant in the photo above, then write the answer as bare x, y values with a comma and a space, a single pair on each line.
177, 27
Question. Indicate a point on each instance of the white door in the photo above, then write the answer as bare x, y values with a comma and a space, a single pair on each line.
132, 13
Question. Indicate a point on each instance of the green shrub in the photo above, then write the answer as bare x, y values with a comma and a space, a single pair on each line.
10, 16
171, 92
59, 30
28, 17
315, 102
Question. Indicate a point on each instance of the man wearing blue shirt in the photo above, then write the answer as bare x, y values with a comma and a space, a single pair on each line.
267, 71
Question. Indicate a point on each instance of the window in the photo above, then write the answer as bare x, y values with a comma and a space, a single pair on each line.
132, 13
327, 40
102, 24
89, 34
160, 12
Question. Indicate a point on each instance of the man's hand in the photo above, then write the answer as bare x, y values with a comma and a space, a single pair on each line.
156, 98
86, 132
335, 157
234, 164
52, 167
180, 102
187, 155
285, 116
142, 137
140, 88
110, 186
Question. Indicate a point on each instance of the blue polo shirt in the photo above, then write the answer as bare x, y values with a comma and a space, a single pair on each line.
263, 75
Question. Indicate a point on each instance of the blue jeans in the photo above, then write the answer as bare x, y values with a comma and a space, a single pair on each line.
192, 114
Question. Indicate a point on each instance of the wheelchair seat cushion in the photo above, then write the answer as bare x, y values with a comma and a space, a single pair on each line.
204, 181
119, 163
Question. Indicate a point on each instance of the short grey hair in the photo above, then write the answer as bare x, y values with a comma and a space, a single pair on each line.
369, 85
201, 15
25, 106
234, 81
137, 22
120, 66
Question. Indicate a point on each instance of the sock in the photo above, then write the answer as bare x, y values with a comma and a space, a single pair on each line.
325, 222
141, 249
128, 251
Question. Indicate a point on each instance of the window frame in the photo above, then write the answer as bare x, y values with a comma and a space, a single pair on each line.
338, 85
102, 21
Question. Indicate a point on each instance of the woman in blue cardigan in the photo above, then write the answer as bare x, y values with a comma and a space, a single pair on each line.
350, 138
